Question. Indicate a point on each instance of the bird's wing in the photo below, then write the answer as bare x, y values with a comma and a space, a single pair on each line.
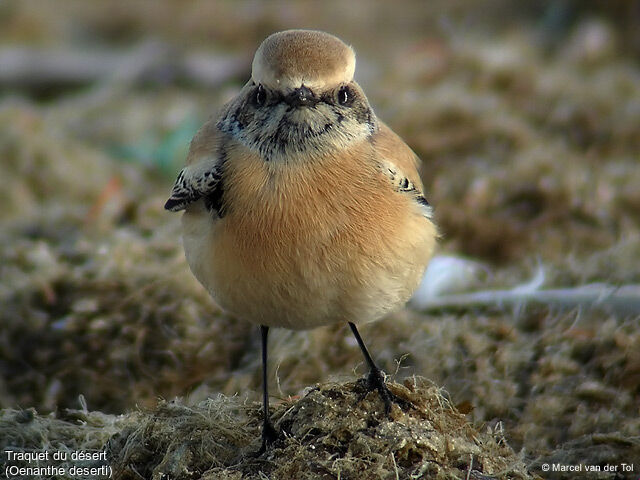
400, 165
201, 178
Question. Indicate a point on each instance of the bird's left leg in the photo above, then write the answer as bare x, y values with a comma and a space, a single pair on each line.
375, 379
269, 433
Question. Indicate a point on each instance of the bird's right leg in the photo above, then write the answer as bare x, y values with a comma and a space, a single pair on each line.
375, 379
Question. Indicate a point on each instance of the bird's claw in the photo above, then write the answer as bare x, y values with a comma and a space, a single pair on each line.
376, 381
269, 436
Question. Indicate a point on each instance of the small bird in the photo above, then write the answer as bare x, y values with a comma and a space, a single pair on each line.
301, 208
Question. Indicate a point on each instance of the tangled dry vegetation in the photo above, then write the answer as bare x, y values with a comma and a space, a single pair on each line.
530, 154
334, 431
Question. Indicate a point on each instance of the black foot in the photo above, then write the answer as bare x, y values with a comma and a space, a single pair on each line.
375, 381
269, 436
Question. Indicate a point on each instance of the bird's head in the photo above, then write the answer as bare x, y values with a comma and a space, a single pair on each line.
301, 98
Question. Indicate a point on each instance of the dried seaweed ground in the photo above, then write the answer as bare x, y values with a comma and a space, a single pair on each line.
333, 431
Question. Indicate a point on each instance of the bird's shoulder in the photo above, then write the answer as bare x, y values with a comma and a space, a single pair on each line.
201, 178
396, 159
399, 166
205, 144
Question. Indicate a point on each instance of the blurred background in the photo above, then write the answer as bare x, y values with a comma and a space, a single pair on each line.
526, 116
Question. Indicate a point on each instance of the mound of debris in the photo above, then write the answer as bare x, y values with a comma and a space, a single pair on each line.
333, 431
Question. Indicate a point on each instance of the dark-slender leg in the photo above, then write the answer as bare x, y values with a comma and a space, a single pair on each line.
269, 434
375, 379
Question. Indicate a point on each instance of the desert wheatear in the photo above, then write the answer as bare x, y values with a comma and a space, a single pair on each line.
301, 207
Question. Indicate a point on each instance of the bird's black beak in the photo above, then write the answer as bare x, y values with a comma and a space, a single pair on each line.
301, 97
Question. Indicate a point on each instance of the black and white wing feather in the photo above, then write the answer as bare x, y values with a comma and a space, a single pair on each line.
401, 183
195, 182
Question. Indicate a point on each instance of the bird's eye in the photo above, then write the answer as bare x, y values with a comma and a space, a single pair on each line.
345, 96
260, 96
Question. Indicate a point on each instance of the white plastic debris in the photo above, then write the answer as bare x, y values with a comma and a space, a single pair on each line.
446, 275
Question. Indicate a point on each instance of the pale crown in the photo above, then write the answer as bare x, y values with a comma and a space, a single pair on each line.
290, 59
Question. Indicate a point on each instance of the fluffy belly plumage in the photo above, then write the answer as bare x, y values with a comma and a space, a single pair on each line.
270, 272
